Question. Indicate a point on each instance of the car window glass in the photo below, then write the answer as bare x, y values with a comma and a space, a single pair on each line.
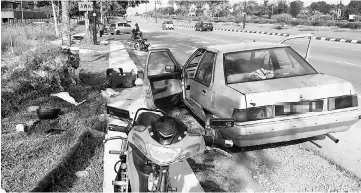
264, 64
127, 25
112, 25
158, 61
197, 58
205, 69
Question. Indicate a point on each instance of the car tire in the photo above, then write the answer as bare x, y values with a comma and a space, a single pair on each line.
111, 33
117, 33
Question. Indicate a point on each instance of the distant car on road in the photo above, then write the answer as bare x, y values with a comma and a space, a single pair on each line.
269, 89
167, 25
120, 28
204, 26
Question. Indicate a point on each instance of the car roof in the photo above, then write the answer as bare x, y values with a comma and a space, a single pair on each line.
241, 46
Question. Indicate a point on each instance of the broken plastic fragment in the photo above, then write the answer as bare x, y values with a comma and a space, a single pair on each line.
65, 96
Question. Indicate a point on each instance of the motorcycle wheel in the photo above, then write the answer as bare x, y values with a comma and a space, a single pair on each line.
136, 46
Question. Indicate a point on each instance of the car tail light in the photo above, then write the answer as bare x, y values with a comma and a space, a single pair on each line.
239, 115
163, 155
259, 113
342, 102
253, 113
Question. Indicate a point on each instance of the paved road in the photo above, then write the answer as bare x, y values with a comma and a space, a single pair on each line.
335, 58
338, 59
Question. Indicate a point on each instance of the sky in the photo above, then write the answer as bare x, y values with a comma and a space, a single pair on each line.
143, 7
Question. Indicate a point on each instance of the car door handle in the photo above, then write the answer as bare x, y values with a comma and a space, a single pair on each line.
204, 92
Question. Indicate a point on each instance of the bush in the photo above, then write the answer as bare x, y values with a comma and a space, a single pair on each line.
318, 23
357, 17
35, 79
320, 17
302, 16
326, 17
282, 18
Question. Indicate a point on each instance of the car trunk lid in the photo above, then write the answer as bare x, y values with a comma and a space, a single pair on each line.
292, 89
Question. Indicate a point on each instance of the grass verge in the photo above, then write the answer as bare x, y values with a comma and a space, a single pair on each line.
28, 157
88, 157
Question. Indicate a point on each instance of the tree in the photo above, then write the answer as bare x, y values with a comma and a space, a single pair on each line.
282, 6
324, 7
320, 6
55, 19
313, 7
66, 23
295, 8
354, 8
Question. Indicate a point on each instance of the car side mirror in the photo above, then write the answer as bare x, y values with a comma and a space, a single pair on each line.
170, 69
222, 122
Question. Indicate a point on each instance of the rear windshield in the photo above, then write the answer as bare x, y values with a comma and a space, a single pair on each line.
169, 22
264, 64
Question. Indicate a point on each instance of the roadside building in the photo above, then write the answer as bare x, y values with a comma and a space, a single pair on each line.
13, 11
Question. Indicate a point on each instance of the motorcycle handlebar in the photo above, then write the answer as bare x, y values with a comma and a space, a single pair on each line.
209, 140
119, 129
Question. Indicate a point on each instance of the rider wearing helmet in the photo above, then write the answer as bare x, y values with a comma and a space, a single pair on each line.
136, 32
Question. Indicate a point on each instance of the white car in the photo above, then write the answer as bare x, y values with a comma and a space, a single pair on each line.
167, 25
120, 28
270, 90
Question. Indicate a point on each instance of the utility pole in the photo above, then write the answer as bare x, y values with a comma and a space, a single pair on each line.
155, 12
95, 23
244, 15
101, 12
22, 11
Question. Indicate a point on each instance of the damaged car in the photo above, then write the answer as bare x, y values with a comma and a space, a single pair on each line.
269, 89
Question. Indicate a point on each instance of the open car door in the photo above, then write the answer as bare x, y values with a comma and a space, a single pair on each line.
162, 79
300, 43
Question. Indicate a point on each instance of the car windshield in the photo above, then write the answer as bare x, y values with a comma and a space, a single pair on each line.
264, 64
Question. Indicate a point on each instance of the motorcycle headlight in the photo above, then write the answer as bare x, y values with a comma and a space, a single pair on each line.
163, 154
189, 151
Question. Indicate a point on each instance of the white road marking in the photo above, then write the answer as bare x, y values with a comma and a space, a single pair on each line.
351, 64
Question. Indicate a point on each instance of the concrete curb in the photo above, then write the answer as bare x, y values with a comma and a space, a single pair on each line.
282, 34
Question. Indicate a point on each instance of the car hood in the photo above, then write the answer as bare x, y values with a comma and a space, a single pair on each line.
293, 89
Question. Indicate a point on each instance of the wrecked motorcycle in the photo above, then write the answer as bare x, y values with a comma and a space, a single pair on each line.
141, 44
154, 142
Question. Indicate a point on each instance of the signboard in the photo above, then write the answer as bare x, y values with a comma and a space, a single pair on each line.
85, 6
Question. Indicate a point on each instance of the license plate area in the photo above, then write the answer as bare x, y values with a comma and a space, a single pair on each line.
302, 107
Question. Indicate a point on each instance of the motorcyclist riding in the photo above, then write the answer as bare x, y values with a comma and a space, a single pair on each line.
136, 32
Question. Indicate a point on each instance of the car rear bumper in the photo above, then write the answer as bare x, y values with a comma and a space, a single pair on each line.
291, 129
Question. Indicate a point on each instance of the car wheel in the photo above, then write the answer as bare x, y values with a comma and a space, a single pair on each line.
118, 32
111, 33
